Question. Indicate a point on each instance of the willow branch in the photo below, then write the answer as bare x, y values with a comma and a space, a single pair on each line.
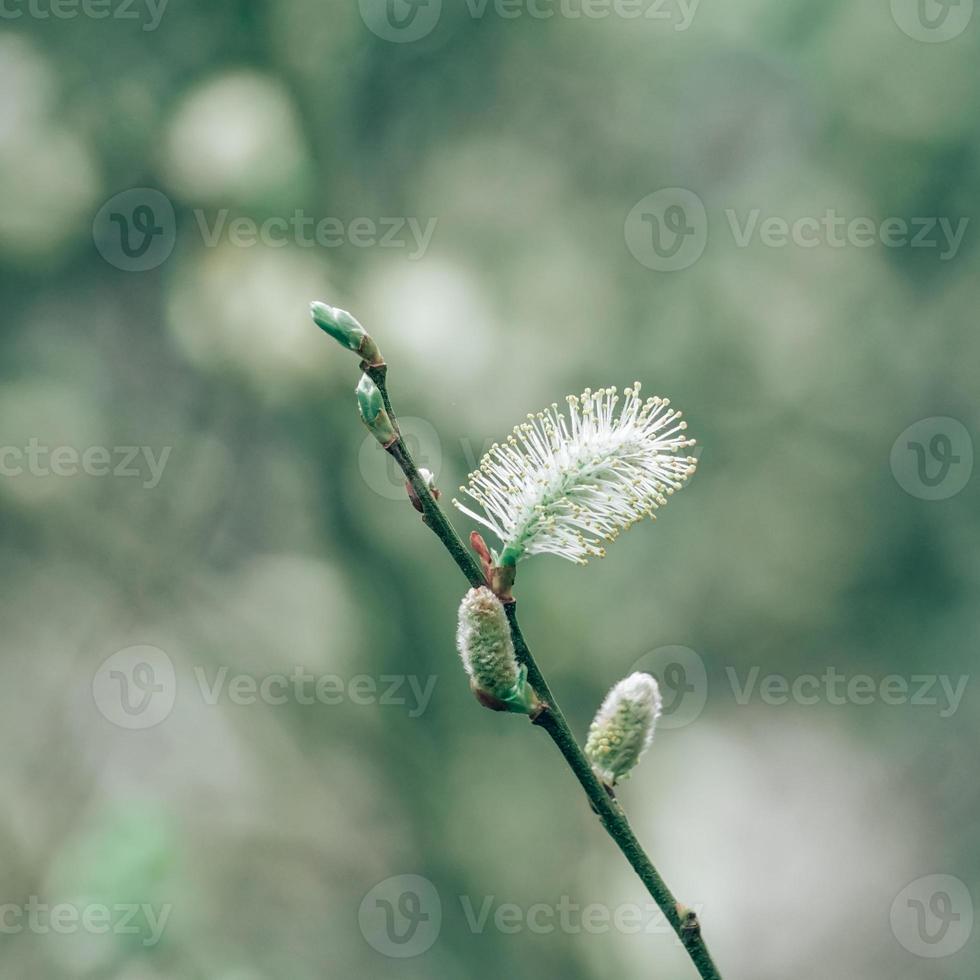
683, 921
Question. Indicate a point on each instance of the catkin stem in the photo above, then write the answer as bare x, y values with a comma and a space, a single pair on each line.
683, 921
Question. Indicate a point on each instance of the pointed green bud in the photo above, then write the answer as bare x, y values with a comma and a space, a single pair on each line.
373, 414
487, 651
623, 727
339, 324
430, 484
345, 329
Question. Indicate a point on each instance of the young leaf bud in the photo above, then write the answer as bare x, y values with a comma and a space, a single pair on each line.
345, 329
430, 484
373, 414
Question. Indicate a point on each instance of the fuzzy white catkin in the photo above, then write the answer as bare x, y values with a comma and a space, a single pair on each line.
564, 482
623, 726
484, 643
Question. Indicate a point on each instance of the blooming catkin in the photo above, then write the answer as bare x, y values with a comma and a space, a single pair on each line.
623, 726
485, 646
563, 483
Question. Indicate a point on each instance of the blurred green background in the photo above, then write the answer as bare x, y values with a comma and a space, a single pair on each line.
253, 532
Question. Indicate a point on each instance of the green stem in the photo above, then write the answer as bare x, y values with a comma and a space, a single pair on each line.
431, 511
683, 921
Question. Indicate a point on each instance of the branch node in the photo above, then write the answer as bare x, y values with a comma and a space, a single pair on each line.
690, 925
538, 716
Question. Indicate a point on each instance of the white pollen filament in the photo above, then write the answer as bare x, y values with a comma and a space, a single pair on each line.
564, 484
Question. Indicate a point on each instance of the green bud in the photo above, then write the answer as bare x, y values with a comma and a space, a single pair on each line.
345, 329
430, 484
373, 414
485, 646
623, 727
